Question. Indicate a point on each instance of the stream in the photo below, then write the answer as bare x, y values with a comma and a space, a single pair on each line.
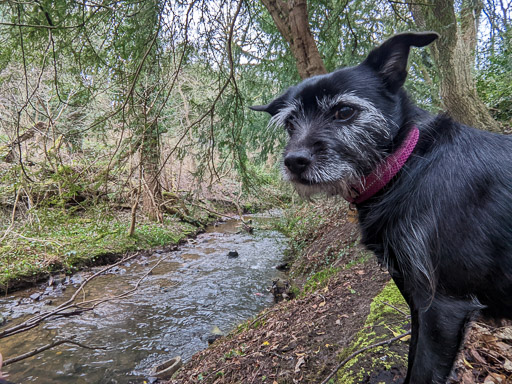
190, 292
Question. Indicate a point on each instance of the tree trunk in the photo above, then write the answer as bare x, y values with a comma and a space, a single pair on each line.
291, 19
150, 163
454, 55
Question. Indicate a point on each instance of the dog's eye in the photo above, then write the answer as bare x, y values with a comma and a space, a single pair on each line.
289, 128
345, 113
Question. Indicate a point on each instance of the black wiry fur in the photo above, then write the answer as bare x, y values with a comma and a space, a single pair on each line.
442, 226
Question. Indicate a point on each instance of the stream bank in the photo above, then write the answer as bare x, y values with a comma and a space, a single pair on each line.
298, 340
345, 303
188, 293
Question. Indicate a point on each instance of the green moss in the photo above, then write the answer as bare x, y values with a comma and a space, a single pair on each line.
63, 240
382, 323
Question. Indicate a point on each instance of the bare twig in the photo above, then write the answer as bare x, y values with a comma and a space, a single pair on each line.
72, 308
40, 26
396, 309
13, 215
212, 211
46, 347
61, 309
263, 315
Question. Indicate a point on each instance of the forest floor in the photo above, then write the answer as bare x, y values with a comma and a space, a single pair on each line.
344, 303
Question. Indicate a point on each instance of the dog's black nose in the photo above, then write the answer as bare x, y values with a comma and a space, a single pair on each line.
298, 161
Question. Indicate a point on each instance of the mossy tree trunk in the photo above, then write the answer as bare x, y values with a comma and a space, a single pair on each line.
454, 55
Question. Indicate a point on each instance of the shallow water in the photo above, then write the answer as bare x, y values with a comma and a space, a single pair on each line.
191, 291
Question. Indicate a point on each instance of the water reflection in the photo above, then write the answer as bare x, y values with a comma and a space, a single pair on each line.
188, 293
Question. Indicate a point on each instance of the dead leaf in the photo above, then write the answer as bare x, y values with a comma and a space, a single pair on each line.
467, 378
489, 338
505, 333
477, 356
494, 378
504, 347
467, 364
405, 338
299, 363
507, 365
321, 304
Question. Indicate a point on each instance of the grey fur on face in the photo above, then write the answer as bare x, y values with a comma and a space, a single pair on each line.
341, 153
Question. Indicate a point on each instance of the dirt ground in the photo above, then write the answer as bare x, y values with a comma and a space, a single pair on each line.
294, 341
303, 340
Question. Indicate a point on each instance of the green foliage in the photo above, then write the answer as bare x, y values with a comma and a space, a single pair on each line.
319, 280
235, 352
63, 241
494, 83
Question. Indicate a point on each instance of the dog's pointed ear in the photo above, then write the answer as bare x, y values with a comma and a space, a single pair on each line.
272, 108
389, 60
259, 108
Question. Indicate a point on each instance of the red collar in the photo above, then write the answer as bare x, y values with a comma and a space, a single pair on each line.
375, 181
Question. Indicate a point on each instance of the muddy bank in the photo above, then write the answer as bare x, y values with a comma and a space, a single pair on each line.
295, 341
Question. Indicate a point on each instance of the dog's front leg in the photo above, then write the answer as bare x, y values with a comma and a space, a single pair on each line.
400, 283
440, 333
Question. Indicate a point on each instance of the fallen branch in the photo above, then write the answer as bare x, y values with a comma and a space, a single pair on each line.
67, 308
218, 214
395, 308
46, 347
351, 356
72, 308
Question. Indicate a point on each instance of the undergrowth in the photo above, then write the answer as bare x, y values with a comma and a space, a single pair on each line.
321, 240
54, 239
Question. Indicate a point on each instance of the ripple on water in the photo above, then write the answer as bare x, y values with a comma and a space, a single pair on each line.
191, 291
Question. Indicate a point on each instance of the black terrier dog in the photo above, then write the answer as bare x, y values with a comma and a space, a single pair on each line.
434, 197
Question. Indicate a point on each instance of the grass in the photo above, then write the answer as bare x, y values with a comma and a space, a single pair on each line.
57, 240
319, 280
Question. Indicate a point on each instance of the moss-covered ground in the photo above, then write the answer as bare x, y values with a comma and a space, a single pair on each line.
388, 318
64, 240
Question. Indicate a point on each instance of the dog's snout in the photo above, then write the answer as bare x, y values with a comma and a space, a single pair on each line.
298, 161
